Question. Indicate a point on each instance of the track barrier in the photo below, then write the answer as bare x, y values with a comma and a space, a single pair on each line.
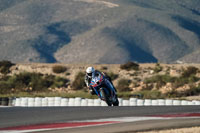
51, 101
64, 102
84, 102
168, 102
147, 102
120, 101
4, 101
31, 102
161, 102
38, 102
125, 102
57, 101
24, 101
177, 102
90, 102
71, 102
133, 101
78, 101
140, 102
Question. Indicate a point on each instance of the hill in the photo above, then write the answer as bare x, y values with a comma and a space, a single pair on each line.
100, 31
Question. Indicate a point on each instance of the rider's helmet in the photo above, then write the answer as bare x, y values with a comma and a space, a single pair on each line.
90, 71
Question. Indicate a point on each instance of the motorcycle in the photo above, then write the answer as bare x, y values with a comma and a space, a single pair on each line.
105, 90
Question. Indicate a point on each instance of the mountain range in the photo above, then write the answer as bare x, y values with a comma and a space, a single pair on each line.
100, 31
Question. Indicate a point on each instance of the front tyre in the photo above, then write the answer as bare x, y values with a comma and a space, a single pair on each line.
105, 97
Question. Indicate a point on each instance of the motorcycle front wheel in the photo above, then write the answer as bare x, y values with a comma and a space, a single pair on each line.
105, 97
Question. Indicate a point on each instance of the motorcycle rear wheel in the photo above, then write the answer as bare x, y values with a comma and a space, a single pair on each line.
116, 103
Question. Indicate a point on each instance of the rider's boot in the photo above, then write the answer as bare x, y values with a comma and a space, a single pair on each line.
113, 96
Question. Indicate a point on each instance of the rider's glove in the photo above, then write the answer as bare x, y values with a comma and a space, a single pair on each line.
91, 90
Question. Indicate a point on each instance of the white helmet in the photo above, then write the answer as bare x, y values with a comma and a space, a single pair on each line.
90, 71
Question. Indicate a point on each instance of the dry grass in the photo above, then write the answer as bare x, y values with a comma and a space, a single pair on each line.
182, 130
136, 77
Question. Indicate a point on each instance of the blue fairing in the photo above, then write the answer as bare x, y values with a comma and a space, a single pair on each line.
106, 91
101, 95
110, 86
97, 82
97, 92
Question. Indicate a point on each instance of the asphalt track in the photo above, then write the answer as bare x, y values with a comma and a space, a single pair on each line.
22, 116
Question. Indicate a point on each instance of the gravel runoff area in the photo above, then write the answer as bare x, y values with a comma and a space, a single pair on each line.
181, 130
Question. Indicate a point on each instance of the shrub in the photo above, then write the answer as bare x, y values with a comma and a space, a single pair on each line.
104, 68
125, 95
135, 73
168, 70
147, 87
172, 94
5, 87
123, 85
157, 68
59, 82
148, 94
159, 78
67, 74
137, 79
39, 84
5, 67
190, 92
42, 83
193, 91
36, 81
180, 81
130, 66
27, 77
112, 75
79, 81
176, 81
190, 71
59, 69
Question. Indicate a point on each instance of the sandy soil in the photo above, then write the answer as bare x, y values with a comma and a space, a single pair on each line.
182, 130
136, 77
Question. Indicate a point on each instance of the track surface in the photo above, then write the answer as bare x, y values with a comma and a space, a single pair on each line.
17, 116
132, 127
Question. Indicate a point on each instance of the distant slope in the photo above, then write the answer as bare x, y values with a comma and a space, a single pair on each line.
100, 31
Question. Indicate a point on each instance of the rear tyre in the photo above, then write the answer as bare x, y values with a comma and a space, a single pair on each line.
116, 103
105, 97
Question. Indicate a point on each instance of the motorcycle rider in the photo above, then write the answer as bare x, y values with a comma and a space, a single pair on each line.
91, 73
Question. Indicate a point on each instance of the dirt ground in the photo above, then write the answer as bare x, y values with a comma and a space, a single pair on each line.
136, 77
182, 130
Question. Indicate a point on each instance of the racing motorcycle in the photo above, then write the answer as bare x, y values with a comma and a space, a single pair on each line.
105, 90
